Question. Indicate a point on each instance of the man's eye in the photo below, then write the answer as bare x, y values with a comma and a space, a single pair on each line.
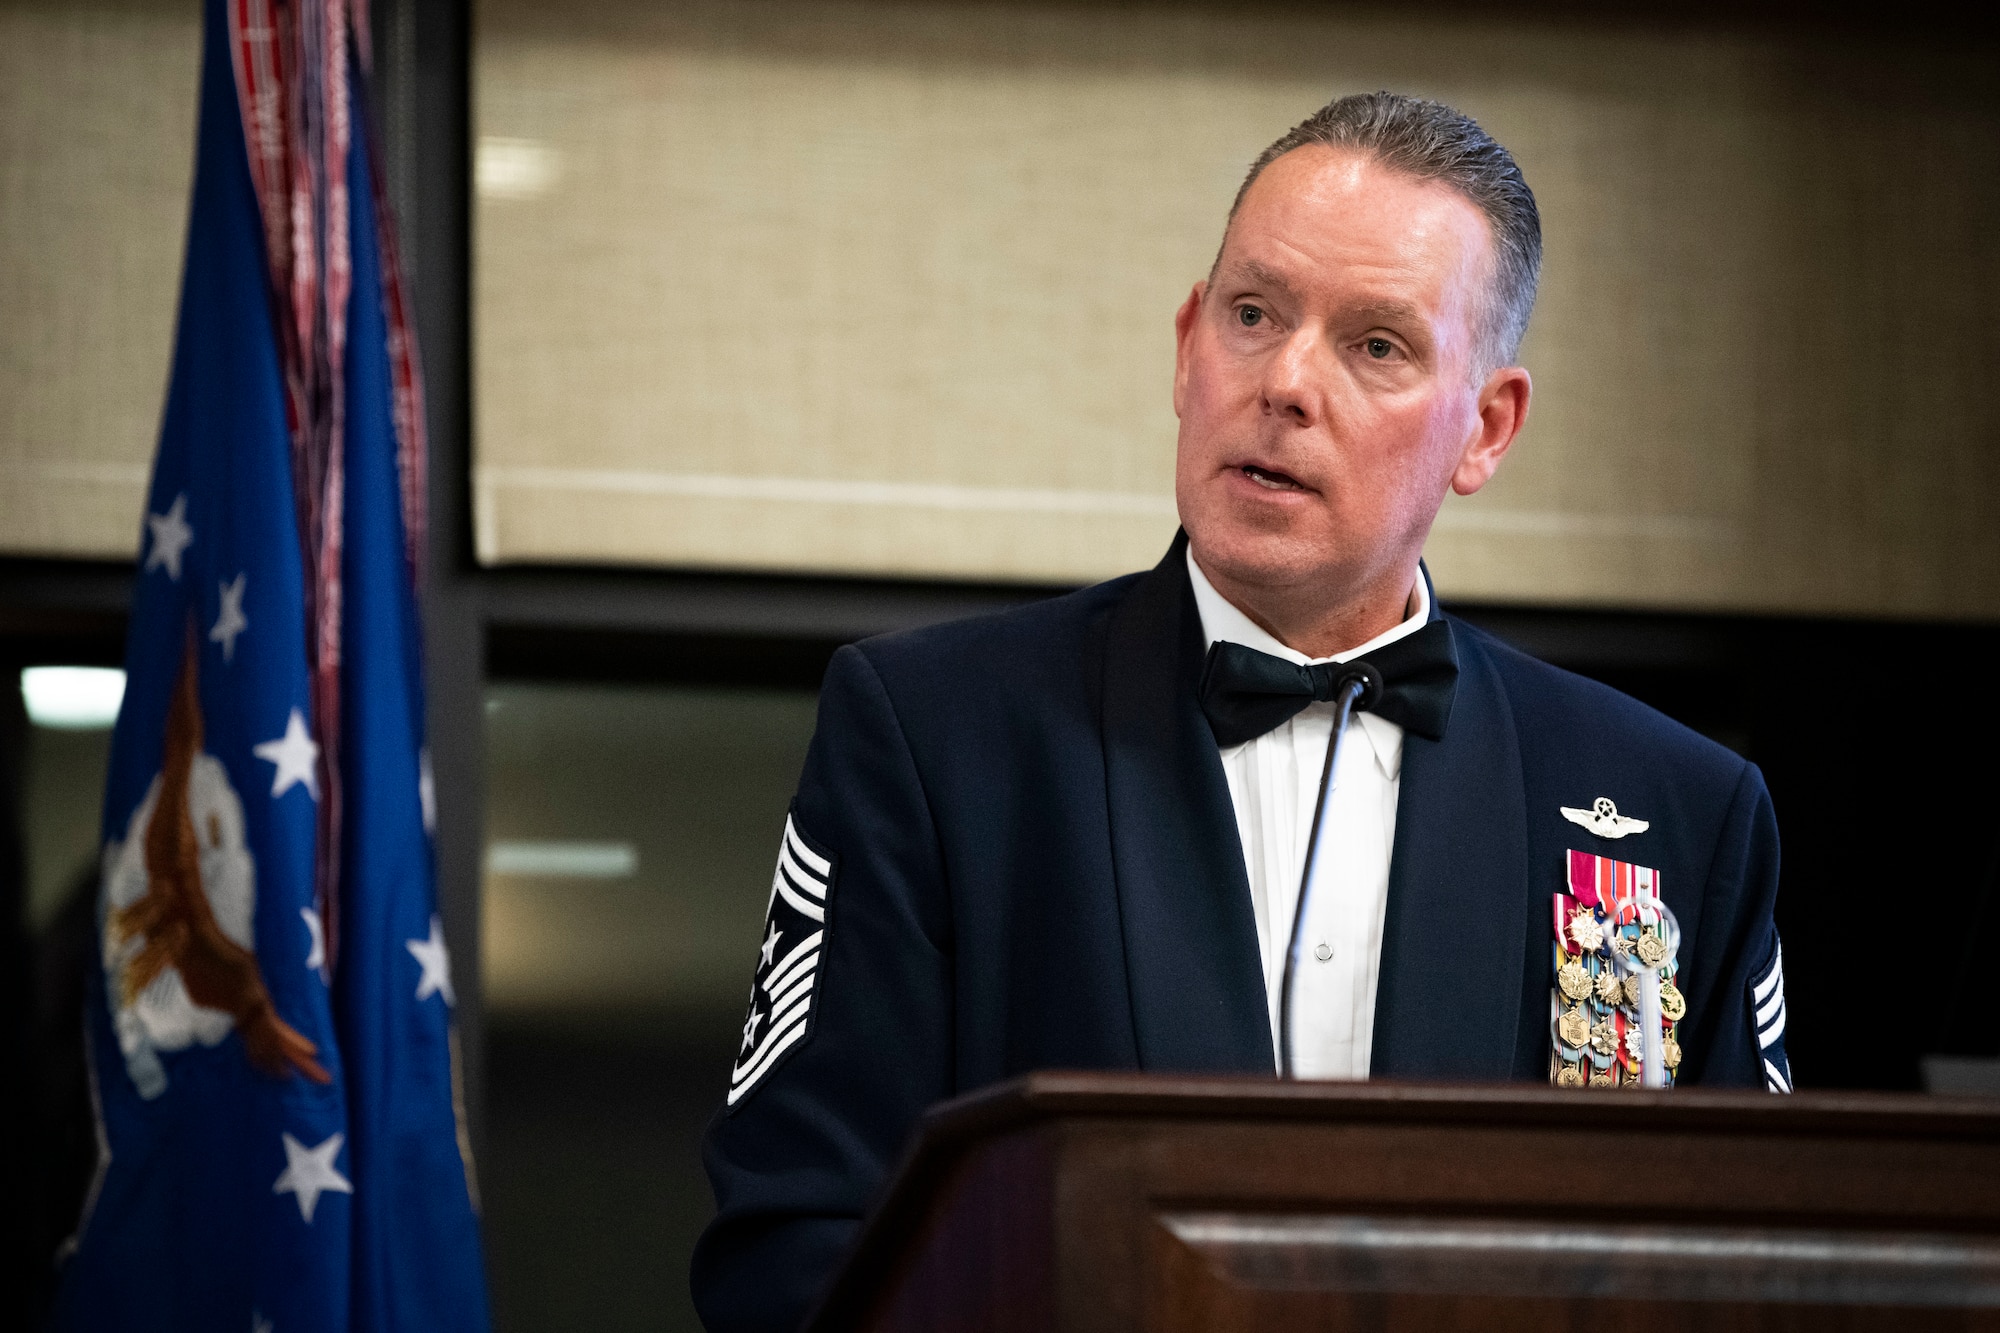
1249, 316
1380, 347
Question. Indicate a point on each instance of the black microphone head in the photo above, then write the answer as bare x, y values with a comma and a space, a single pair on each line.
1370, 678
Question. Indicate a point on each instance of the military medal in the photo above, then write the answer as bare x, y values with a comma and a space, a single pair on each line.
1604, 1037
1655, 937
1616, 1002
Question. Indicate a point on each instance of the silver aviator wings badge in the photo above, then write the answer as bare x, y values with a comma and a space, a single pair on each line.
1604, 820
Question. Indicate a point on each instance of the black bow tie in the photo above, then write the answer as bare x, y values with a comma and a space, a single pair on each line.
1245, 693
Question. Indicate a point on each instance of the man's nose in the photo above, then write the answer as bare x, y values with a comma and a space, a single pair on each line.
1291, 379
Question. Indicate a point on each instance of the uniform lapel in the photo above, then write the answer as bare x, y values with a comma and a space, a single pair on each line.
1197, 987
1448, 1004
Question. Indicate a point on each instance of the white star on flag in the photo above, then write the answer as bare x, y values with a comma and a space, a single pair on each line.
309, 1173
231, 621
750, 1025
171, 535
316, 951
431, 956
771, 944
296, 754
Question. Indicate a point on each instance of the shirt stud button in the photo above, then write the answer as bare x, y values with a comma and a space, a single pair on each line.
1324, 951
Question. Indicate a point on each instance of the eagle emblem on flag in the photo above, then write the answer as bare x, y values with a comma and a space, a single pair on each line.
180, 954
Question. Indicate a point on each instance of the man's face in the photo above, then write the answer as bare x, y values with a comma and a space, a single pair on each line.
1325, 377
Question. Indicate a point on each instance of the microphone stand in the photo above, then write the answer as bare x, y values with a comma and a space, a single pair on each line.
1358, 685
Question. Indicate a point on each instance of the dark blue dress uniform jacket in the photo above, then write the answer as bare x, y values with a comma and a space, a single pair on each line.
1034, 864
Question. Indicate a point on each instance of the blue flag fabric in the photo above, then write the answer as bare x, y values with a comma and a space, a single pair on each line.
281, 1147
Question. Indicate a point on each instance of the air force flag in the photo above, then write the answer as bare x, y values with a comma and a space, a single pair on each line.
272, 1046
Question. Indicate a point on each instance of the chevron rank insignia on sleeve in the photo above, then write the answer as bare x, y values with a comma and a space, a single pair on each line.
1767, 1016
787, 974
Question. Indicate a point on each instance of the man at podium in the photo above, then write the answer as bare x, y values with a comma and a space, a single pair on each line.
1265, 808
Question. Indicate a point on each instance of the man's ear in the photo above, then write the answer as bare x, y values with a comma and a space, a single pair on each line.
1503, 410
1184, 321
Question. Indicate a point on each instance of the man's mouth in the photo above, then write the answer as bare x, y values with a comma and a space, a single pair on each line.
1270, 478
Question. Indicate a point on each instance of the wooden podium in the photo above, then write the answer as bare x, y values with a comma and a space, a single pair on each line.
1127, 1202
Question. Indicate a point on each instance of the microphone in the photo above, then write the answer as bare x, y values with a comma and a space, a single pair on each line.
1357, 685
1368, 675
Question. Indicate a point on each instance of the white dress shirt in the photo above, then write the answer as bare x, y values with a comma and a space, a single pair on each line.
1274, 785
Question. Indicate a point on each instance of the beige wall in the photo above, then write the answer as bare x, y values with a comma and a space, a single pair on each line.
97, 110
888, 289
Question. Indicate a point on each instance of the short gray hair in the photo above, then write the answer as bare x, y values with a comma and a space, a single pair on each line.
1434, 142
